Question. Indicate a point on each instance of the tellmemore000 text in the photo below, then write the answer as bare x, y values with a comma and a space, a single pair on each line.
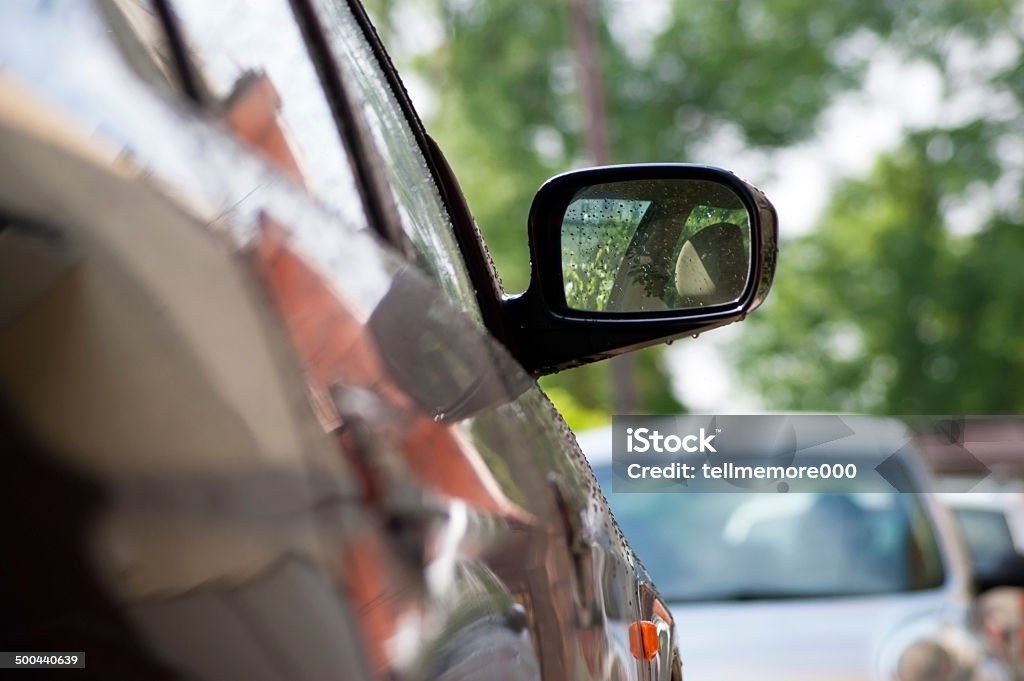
731, 471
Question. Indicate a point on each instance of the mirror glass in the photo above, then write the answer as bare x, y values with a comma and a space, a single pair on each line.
649, 245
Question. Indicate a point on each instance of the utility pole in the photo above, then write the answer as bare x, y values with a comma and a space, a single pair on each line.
583, 21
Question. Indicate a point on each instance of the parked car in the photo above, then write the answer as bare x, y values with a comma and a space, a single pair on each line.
842, 583
979, 465
265, 411
992, 524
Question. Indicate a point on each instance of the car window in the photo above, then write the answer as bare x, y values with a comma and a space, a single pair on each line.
259, 80
987, 535
772, 546
424, 217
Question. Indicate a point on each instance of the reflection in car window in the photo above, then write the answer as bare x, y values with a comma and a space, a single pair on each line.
265, 88
769, 546
424, 217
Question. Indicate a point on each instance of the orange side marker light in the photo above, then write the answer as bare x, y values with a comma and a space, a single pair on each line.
643, 640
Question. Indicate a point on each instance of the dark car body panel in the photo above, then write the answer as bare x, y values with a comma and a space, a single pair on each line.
273, 447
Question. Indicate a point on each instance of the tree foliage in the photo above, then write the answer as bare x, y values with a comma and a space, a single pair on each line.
906, 299
887, 308
889, 305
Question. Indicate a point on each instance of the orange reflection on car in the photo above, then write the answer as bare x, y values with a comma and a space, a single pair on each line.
643, 640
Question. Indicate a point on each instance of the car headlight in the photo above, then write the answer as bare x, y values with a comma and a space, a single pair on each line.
925, 661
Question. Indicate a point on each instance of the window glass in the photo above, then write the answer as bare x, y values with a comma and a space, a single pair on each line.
257, 72
988, 537
776, 546
424, 217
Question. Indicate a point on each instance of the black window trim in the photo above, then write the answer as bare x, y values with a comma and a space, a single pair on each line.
367, 165
188, 80
482, 274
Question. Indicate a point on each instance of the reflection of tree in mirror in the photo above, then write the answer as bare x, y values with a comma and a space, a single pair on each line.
704, 216
595, 236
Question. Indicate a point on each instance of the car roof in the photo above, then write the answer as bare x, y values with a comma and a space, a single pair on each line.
988, 501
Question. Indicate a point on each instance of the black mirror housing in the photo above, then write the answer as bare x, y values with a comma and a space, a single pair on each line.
660, 282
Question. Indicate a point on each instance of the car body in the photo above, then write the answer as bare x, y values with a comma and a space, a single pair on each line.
808, 585
258, 411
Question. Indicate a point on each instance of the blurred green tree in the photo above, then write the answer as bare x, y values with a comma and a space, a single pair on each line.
860, 304
907, 297
889, 306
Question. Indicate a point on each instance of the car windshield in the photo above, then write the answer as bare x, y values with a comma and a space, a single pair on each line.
748, 546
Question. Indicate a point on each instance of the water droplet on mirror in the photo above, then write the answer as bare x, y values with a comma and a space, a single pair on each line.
696, 335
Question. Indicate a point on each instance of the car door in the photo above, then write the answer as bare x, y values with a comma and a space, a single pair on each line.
465, 534
214, 282
579, 589
588, 605
228, 535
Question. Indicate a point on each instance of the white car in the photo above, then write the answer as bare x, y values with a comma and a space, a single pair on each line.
851, 585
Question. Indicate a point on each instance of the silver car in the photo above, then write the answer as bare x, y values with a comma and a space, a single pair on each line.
846, 585
993, 527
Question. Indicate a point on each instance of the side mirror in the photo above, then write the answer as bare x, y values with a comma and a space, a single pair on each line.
1009, 572
629, 256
